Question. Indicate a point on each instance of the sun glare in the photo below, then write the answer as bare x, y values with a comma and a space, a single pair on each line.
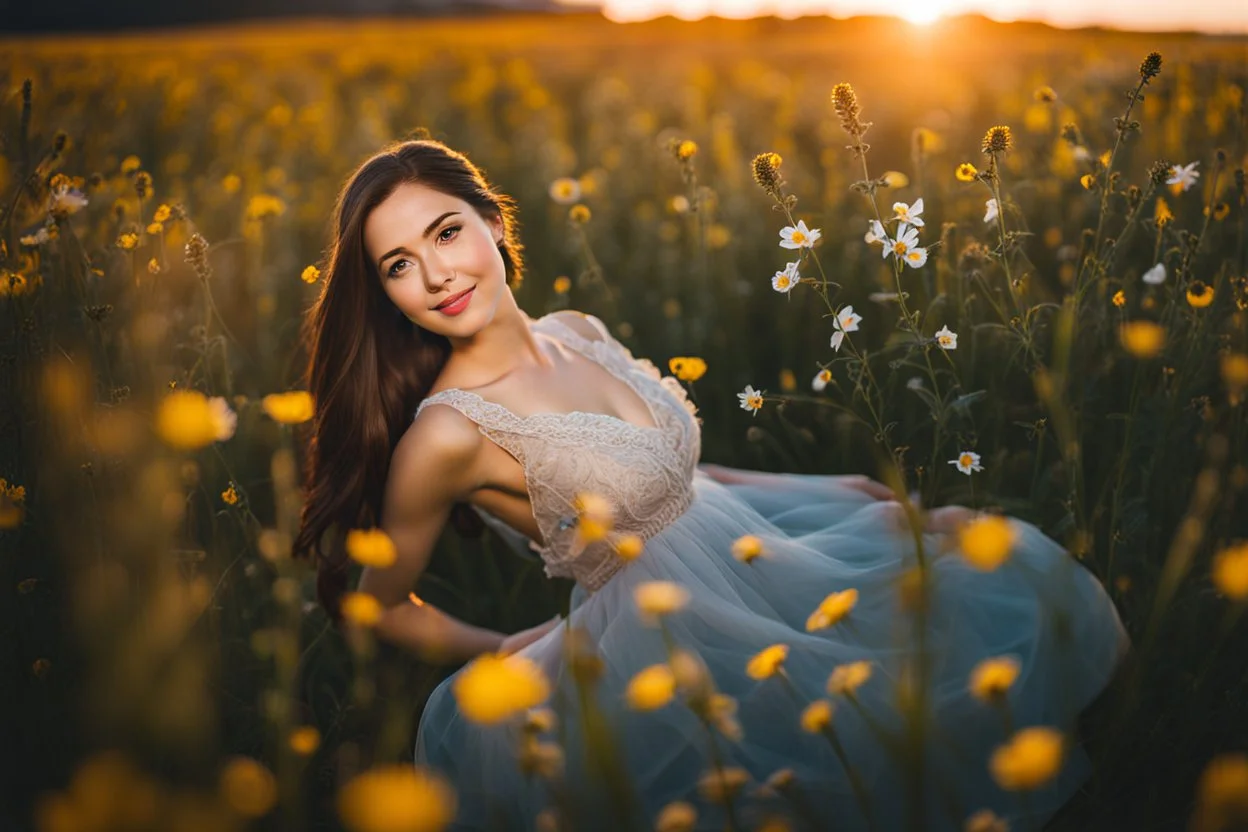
920, 12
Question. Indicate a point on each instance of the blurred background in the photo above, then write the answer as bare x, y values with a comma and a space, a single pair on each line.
164, 664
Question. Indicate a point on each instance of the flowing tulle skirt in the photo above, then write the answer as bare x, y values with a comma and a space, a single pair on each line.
1041, 607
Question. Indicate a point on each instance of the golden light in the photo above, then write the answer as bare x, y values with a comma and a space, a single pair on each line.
920, 12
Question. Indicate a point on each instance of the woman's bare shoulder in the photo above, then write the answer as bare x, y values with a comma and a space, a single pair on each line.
583, 324
442, 445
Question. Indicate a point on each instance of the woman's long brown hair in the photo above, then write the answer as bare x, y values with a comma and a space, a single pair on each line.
369, 366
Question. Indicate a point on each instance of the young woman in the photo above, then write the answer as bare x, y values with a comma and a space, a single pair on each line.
437, 396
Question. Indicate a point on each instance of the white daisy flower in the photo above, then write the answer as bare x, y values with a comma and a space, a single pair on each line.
1184, 175
915, 257
914, 383
751, 399
838, 338
947, 338
565, 190
799, 237
909, 214
967, 462
786, 279
1156, 275
990, 210
821, 379
906, 247
875, 233
847, 319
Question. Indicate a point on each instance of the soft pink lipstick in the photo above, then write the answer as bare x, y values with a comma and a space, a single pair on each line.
456, 303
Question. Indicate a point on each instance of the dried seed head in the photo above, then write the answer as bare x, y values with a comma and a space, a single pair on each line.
1159, 172
846, 104
142, 184
998, 139
767, 173
1150, 67
1070, 132
197, 255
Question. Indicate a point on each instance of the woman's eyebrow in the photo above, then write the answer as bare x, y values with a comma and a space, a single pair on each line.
427, 232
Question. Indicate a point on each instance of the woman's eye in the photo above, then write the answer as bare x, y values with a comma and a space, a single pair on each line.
448, 228
393, 270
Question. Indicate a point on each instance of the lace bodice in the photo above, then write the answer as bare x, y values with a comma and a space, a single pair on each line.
645, 472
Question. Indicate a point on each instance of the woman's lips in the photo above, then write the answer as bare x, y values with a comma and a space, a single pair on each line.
459, 304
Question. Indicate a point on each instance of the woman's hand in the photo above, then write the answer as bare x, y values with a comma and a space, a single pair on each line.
867, 486
518, 641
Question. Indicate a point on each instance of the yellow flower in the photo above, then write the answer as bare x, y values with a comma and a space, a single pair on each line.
1120, 298
721, 784
788, 381
1045, 94
832, 610
595, 517
1222, 792
155, 228
1143, 339
230, 496
163, 213
895, 179
1030, 759
1088, 181
579, 213
986, 541
263, 206
12, 510
304, 740
1199, 294
187, 420
1230, 572
817, 716
985, 820
747, 547
360, 608
248, 787
991, 678
629, 547
311, 274
1235, 370
966, 172
1161, 212
847, 678
494, 688
692, 676
1221, 211
658, 598
128, 241
396, 798
153, 266
998, 139
652, 688
563, 284
768, 662
565, 190
687, 368
371, 547
686, 150
231, 183
676, 817
289, 408
130, 164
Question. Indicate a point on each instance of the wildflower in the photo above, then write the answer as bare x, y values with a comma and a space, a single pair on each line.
875, 233
395, 797
1156, 275
817, 716
747, 548
304, 740
659, 598
946, 338
562, 284
1120, 298
788, 382
1199, 294
360, 608
677, 816
162, 214
629, 547
985, 820
1143, 339
1222, 792
651, 689
1088, 181
1162, 214
832, 610
1150, 67
248, 787
12, 508
128, 241
847, 678
691, 674
1183, 177
847, 319
967, 462
991, 678
909, 214
720, 785
799, 237
1220, 211
768, 662
130, 164
196, 253
998, 139
1235, 371
1029, 760
310, 274
579, 213
187, 420
1230, 572
153, 266
906, 247
1045, 95
821, 380
784, 280
371, 547
231, 183
155, 228
492, 688
565, 190
36, 237
990, 210
845, 102
65, 200
751, 399
289, 408
686, 150
966, 172
230, 496
766, 173
595, 516
986, 541
894, 179
687, 368
264, 206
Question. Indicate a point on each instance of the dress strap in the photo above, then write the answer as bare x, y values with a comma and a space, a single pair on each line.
608, 352
500, 425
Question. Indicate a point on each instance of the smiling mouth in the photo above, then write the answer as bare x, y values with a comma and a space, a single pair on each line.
453, 298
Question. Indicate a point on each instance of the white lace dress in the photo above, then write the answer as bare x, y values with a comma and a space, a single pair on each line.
820, 537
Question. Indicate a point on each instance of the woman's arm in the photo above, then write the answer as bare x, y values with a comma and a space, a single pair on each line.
741, 476
433, 466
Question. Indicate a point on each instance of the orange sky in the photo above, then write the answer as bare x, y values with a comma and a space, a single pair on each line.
1221, 16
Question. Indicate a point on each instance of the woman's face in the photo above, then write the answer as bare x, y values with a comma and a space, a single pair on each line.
428, 247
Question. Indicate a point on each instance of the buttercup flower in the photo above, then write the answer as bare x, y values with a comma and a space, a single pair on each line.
799, 237
990, 210
289, 408
1183, 177
493, 688
751, 399
396, 797
650, 689
768, 662
946, 338
360, 608
817, 716
1143, 339
595, 517
747, 547
847, 678
909, 214
784, 280
1230, 572
966, 172
187, 419
687, 368
676, 817
371, 547
656, 599
1199, 294
1029, 760
967, 462
832, 610
986, 541
991, 678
